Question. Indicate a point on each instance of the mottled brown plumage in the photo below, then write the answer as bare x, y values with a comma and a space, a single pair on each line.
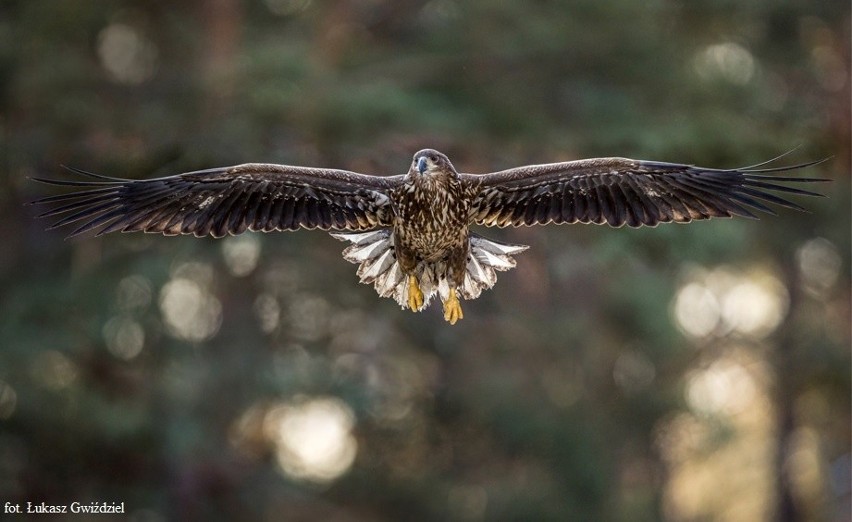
410, 233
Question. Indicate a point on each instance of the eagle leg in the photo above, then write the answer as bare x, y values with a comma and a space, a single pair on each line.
415, 295
452, 308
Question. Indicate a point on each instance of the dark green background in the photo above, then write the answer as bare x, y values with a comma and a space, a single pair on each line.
518, 400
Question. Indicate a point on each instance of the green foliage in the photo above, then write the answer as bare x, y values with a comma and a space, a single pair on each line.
546, 402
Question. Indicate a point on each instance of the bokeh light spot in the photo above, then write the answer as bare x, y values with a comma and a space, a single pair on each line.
819, 266
755, 307
312, 437
124, 337
8, 400
189, 310
309, 316
696, 310
722, 301
53, 370
729, 61
241, 254
725, 387
633, 371
133, 293
831, 68
804, 463
127, 55
201, 273
268, 312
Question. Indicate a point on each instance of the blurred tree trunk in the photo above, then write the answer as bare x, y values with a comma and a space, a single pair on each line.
786, 509
223, 20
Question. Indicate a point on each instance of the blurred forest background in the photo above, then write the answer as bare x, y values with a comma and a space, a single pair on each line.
695, 372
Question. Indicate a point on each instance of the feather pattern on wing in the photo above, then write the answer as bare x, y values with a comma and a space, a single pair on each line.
230, 200
620, 191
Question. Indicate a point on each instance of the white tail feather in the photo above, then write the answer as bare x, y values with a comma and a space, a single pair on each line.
374, 253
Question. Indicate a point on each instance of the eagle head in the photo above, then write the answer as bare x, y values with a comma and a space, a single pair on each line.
432, 162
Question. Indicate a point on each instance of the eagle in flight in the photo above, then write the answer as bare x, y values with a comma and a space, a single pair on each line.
410, 234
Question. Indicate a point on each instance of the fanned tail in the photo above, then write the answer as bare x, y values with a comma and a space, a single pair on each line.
374, 253
487, 256
375, 256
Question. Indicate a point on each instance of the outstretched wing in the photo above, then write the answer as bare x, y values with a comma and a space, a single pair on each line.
619, 191
229, 200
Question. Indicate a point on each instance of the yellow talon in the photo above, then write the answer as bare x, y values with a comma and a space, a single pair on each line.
415, 295
452, 308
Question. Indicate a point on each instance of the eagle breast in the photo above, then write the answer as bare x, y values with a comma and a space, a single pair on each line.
432, 209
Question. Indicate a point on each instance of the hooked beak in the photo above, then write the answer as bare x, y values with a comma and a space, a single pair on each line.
421, 165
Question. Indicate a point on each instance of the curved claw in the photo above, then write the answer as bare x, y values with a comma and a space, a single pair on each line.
415, 295
452, 308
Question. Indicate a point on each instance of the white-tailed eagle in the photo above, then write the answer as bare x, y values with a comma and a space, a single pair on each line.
410, 233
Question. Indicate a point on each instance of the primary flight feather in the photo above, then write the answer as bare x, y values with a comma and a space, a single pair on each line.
410, 233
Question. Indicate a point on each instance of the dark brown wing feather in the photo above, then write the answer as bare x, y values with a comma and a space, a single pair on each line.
229, 200
619, 191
